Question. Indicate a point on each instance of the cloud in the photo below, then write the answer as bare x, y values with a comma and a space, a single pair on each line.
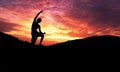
7, 27
90, 17
96, 12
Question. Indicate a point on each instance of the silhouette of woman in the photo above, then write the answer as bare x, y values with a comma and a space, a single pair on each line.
36, 29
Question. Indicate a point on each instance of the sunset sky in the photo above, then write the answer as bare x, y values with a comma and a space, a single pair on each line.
62, 20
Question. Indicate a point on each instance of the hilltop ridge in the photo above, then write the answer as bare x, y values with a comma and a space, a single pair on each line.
94, 42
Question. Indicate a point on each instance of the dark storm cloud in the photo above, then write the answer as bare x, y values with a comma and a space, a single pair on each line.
6, 26
95, 12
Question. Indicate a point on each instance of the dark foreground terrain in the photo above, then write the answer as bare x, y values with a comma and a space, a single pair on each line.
21, 56
90, 43
94, 44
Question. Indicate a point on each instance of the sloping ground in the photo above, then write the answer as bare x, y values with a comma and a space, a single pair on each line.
10, 42
95, 42
22, 56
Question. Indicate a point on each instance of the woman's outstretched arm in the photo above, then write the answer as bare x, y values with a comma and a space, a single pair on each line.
37, 15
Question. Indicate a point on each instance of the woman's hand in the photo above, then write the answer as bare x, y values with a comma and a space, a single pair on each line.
41, 11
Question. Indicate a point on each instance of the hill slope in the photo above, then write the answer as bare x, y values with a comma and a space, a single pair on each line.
95, 42
10, 42
70, 51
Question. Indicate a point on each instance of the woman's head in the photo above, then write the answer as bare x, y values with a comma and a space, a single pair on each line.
39, 20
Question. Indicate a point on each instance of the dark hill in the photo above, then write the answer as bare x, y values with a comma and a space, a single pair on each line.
21, 55
95, 42
10, 42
